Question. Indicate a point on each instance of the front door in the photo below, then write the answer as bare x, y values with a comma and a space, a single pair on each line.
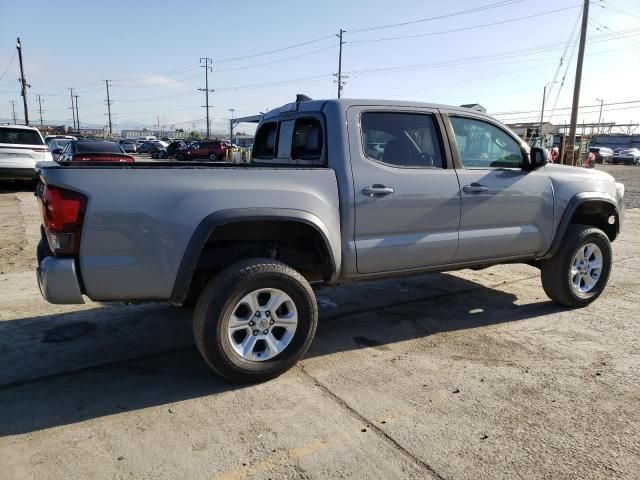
507, 211
407, 196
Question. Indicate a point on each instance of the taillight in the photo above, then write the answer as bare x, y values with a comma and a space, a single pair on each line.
63, 213
83, 157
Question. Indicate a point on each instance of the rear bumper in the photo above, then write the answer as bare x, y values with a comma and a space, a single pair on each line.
18, 173
57, 279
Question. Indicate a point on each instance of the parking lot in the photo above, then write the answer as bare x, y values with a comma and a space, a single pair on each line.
468, 374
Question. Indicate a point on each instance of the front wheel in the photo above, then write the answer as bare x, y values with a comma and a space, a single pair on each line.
579, 271
255, 320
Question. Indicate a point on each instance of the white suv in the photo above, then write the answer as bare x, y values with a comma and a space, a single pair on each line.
21, 148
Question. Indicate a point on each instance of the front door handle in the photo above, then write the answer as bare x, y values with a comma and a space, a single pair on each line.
474, 188
377, 190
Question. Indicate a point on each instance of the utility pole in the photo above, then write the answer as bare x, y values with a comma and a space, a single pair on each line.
73, 110
600, 116
207, 68
13, 108
576, 86
40, 108
231, 126
544, 95
340, 77
109, 109
23, 82
77, 113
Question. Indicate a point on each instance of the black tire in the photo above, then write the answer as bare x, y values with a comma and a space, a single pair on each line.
221, 296
213, 157
556, 272
180, 157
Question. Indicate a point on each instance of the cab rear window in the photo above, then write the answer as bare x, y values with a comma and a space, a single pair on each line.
19, 136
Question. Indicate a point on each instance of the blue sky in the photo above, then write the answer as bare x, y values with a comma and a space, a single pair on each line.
151, 52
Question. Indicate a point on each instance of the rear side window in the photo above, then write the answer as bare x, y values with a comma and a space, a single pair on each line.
265, 142
20, 136
307, 141
292, 142
401, 139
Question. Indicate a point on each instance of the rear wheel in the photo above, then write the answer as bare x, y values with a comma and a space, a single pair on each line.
578, 273
180, 157
255, 320
213, 157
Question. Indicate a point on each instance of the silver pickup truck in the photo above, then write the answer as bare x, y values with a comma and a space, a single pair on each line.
336, 191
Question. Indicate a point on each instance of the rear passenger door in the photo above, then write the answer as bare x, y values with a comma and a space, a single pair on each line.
506, 209
407, 195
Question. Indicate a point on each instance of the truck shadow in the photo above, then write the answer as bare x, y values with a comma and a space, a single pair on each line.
367, 315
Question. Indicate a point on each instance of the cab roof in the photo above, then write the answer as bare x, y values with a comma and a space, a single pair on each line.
344, 103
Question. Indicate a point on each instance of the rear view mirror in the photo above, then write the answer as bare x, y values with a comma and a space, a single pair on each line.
538, 157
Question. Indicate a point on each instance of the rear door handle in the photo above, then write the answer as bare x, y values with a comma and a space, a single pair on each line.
474, 188
377, 190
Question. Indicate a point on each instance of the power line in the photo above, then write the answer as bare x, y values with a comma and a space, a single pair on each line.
568, 108
255, 65
489, 6
488, 57
282, 49
13, 57
454, 30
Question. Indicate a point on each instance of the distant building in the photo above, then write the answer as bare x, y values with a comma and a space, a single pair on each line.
527, 130
475, 106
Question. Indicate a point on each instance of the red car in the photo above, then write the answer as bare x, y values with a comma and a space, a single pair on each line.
212, 150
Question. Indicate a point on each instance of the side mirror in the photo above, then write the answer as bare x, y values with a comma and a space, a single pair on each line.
538, 157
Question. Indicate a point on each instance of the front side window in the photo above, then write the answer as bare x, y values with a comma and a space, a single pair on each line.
483, 145
401, 139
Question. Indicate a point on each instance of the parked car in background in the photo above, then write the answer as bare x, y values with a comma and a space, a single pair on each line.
159, 153
20, 148
48, 138
151, 146
627, 156
91, 151
57, 144
212, 150
603, 154
175, 146
129, 146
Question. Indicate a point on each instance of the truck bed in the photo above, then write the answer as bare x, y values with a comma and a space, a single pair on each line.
140, 218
